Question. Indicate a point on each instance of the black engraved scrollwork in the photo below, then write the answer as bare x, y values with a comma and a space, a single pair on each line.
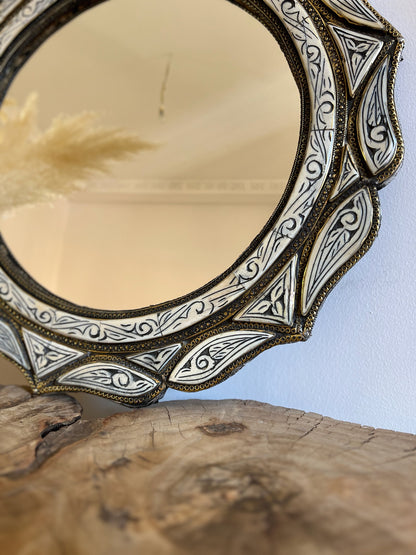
341, 237
377, 138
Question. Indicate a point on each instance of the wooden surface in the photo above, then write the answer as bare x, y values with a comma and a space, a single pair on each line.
232, 477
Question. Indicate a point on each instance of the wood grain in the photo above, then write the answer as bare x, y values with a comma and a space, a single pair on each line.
206, 477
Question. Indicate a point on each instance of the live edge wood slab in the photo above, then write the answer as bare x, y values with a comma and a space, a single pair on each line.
232, 477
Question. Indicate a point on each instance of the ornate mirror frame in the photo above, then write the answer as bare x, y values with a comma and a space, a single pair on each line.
344, 58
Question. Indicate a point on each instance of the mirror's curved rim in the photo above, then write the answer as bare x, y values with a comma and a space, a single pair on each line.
44, 29
351, 157
223, 290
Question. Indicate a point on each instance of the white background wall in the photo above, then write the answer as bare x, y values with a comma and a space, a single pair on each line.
359, 364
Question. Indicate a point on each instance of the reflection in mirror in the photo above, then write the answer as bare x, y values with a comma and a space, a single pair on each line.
205, 82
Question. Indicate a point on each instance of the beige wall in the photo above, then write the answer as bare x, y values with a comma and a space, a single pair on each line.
123, 249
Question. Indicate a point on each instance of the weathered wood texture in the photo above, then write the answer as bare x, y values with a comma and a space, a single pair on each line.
230, 477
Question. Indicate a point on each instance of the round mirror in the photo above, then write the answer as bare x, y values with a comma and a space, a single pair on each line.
210, 89
210, 102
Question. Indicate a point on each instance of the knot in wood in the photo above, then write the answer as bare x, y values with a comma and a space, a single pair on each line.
222, 429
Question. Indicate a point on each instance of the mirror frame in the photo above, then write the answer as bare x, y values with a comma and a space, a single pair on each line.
344, 58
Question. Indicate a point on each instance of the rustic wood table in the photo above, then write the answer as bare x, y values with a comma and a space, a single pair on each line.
200, 477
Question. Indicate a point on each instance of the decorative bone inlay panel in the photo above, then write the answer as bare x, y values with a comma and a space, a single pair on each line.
47, 356
124, 359
349, 173
341, 237
355, 11
213, 355
156, 360
375, 130
11, 346
110, 378
359, 53
21, 19
275, 305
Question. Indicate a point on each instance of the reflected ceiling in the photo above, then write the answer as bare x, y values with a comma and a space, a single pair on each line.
205, 82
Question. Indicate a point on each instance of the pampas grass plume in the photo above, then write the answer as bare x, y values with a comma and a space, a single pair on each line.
38, 167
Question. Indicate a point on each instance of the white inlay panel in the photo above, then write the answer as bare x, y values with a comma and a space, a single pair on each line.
359, 53
276, 304
213, 355
349, 173
156, 360
375, 130
11, 346
341, 237
110, 378
47, 356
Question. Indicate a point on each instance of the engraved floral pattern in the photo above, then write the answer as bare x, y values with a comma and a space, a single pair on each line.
21, 19
275, 305
349, 173
11, 346
47, 356
156, 360
377, 138
213, 355
355, 11
300, 204
110, 378
359, 53
341, 237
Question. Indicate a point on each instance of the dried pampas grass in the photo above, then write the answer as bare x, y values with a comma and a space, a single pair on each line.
40, 167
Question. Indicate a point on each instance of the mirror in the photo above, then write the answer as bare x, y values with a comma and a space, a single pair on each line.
344, 58
224, 115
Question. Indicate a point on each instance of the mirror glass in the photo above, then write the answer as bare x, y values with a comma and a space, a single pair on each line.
204, 82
